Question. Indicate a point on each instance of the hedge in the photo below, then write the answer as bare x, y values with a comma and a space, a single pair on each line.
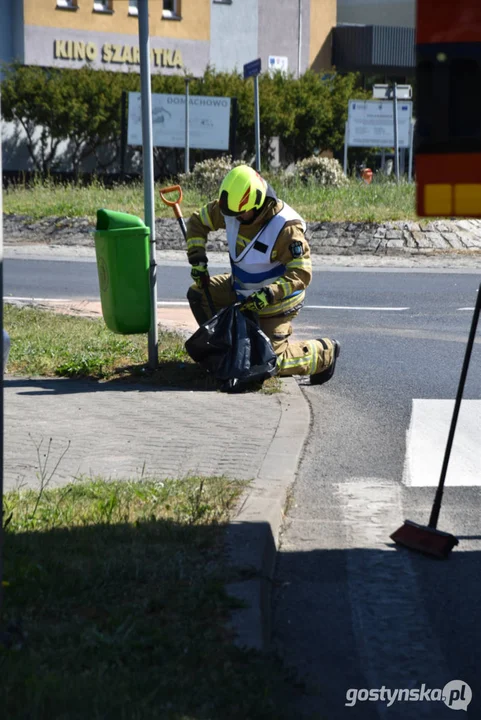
84, 107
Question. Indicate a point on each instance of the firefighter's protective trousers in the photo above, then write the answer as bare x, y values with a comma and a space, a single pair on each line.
303, 357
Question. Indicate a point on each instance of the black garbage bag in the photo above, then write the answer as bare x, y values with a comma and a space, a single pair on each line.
232, 347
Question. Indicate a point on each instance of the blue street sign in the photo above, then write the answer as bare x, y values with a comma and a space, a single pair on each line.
252, 68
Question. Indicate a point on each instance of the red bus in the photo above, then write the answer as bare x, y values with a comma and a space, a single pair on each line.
448, 125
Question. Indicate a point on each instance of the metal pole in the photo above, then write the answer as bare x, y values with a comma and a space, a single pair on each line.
396, 135
411, 148
187, 108
345, 148
148, 170
1, 394
123, 133
233, 128
299, 39
257, 123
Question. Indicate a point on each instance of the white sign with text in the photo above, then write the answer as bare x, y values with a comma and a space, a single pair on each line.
371, 123
209, 121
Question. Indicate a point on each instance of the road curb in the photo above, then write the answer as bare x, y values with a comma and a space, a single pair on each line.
253, 535
463, 260
332, 237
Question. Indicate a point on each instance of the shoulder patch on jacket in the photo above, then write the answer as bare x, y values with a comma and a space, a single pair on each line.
296, 249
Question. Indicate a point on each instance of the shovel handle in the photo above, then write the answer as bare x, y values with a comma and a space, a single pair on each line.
175, 204
172, 203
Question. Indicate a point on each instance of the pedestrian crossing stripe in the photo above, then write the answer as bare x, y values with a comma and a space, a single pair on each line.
426, 440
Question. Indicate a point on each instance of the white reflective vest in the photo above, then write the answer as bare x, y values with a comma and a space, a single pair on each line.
253, 269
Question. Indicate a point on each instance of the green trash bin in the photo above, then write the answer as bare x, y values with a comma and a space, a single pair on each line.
123, 259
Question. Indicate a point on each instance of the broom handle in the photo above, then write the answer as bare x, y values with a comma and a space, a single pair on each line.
433, 520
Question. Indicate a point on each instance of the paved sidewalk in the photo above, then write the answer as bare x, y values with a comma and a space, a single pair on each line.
133, 431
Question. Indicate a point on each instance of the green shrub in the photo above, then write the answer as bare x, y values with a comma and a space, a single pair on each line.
207, 175
83, 107
323, 170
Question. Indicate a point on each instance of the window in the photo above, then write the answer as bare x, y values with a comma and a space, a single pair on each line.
171, 9
102, 6
133, 7
67, 4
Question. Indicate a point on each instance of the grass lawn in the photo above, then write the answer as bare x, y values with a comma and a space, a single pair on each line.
44, 343
115, 607
114, 599
378, 202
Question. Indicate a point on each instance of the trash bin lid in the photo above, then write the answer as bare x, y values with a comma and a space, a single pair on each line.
113, 220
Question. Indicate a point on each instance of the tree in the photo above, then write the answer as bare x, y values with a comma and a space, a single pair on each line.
91, 101
30, 97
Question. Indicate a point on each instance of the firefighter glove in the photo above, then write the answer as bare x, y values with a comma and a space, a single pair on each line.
259, 300
200, 275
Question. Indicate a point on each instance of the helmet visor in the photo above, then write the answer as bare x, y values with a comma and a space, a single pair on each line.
224, 204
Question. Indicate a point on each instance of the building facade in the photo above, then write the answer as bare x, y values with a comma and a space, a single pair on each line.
376, 38
185, 35
393, 13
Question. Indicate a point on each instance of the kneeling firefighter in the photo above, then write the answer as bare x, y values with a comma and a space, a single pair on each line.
271, 268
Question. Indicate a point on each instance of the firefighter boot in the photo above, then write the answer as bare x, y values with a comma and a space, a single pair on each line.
325, 375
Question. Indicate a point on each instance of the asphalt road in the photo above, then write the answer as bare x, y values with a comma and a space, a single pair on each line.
76, 278
404, 331
350, 611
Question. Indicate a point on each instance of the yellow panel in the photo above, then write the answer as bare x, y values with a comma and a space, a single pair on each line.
438, 200
194, 25
467, 199
323, 17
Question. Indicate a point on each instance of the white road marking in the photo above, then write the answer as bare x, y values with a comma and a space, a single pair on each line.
35, 299
70, 300
183, 303
312, 307
353, 307
426, 444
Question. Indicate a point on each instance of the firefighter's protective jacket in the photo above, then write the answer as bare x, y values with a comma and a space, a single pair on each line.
289, 253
